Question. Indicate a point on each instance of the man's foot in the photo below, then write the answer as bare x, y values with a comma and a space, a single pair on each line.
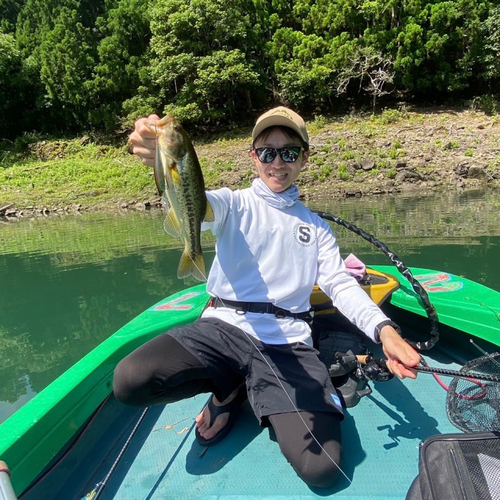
215, 421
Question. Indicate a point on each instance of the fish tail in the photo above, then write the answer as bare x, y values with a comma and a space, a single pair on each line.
192, 264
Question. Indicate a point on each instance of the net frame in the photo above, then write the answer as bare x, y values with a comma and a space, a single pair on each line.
473, 404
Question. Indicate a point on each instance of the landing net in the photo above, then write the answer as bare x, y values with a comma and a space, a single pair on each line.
473, 403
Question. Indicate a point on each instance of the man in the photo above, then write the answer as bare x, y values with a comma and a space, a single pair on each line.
254, 338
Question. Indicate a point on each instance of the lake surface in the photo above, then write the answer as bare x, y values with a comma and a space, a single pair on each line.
69, 282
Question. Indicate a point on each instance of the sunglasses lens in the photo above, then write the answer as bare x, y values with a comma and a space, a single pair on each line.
266, 155
289, 155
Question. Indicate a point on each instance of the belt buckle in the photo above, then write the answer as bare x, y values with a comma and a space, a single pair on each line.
280, 314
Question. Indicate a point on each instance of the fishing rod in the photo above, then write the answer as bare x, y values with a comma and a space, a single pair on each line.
456, 373
99, 487
374, 369
403, 269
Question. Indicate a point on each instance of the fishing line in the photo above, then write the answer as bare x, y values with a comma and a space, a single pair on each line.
484, 353
248, 336
99, 487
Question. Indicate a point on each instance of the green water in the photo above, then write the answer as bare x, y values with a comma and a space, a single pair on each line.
67, 283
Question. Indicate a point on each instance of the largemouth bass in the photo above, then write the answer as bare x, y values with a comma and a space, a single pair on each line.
180, 181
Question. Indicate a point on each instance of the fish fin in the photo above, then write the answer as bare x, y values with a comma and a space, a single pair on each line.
174, 174
171, 225
209, 213
165, 203
192, 265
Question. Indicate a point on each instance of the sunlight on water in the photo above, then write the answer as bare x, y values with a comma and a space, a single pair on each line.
67, 283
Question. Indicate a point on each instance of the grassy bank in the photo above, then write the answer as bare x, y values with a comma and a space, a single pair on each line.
396, 150
71, 173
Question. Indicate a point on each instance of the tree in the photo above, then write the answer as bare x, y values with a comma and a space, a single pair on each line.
15, 101
491, 55
302, 69
122, 54
199, 67
371, 71
9, 10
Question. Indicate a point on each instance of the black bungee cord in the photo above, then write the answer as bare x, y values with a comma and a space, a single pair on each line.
403, 269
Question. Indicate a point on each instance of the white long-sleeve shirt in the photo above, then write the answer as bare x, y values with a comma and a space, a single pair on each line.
268, 254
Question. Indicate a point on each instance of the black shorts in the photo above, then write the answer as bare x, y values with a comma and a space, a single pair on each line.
289, 373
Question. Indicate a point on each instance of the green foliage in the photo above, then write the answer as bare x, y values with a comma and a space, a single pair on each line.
303, 71
388, 116
391, 173
317, 124
122, 56
370, 70
9, 10
491, 54
71, 171
78, 65
343, 172
488, 103
199, 62
15, 105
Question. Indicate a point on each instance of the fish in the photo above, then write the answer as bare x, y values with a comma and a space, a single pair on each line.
180, 182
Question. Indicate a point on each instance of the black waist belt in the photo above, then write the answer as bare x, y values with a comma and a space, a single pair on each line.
259, 307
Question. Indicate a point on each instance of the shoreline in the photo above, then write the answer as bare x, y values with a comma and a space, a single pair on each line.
397, 152
314, 194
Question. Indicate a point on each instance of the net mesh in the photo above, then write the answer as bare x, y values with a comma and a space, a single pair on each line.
473, 405
483, 463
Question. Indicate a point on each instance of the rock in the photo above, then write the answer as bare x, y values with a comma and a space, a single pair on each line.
142, 205
409, 175
366, 165
5, 208
401, 164
462, 170
476, 173
353, 193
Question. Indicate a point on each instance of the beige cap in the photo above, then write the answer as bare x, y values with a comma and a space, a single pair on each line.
284, 117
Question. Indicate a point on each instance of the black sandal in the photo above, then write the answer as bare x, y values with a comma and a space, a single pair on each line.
232, 408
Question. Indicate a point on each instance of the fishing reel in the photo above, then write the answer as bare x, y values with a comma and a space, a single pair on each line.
350, 375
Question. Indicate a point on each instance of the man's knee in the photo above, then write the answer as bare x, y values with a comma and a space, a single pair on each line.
128, 385
321, 471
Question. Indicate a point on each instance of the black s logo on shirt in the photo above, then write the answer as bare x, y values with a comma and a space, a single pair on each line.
304, 234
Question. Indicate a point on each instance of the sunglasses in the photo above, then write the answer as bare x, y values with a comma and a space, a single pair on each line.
288, 155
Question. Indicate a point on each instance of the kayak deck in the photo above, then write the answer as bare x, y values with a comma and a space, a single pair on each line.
381, 436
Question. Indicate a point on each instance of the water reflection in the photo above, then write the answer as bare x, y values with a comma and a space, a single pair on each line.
67, 283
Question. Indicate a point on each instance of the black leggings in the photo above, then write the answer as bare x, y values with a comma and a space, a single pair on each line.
163, 371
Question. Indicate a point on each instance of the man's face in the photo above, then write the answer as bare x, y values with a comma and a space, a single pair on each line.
279, 175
